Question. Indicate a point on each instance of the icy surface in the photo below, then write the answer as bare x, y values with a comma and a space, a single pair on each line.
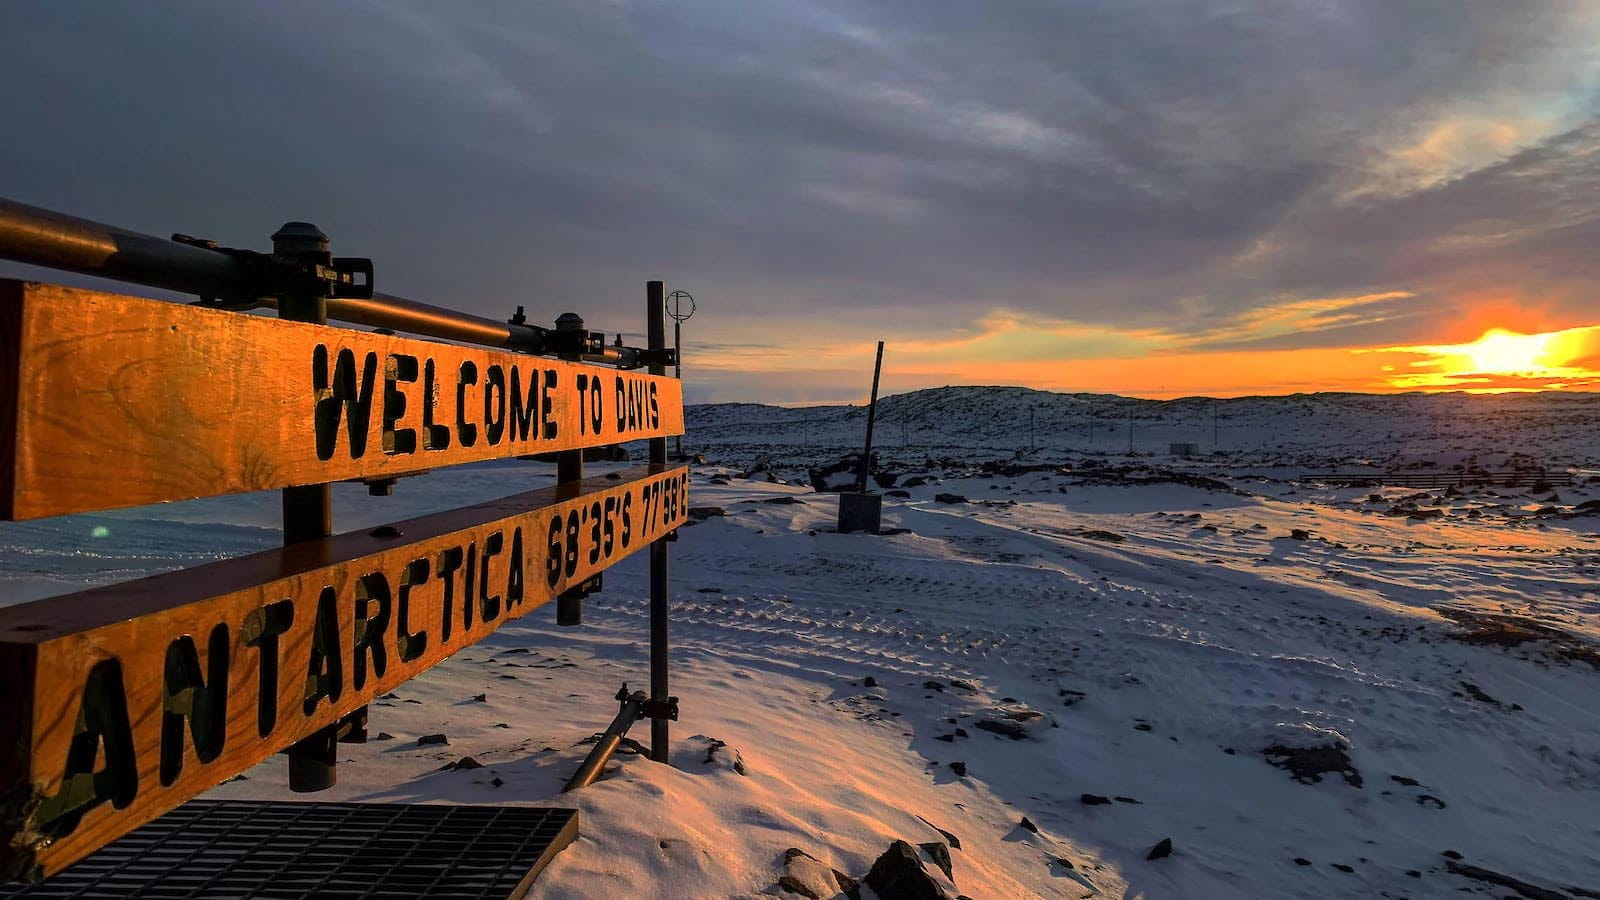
1170, 630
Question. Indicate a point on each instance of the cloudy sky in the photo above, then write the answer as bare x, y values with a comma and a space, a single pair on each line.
1152, 198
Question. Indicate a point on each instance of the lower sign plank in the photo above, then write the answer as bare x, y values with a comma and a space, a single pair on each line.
121, 702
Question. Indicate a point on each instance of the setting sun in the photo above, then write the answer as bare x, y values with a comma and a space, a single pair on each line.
1503, 360
1507, 353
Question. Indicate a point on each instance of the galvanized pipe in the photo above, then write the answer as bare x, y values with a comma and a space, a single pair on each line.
42, 237
595, 763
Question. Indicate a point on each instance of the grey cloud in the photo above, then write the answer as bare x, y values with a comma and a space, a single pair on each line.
902, 165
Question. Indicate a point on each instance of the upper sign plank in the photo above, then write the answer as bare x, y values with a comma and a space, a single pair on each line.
109, 401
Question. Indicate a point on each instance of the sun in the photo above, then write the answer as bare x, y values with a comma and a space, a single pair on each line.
1501, 352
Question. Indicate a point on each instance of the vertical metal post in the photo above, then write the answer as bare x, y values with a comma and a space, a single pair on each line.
569, 467
872, 417
656, 333
677, 369
307, 510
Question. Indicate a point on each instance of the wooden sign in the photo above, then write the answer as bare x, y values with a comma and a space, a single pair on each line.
119, 703
109, 401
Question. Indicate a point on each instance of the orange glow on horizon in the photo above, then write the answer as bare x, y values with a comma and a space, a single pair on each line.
1069, 358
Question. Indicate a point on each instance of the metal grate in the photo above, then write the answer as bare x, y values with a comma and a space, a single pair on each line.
225, 849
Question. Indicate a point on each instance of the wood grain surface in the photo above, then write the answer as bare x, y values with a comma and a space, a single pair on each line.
121, 702
109, 401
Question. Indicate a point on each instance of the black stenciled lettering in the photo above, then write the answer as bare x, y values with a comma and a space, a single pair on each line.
407, 643
260, 629
341, 397
610, 531
514, 573
190, 696
434, 436
627, 519
594, 532
466, 432
583, 392
489, 605
547, 405
571, 565
552, 562
655, 407
621, 396
494, 404
397, 369
450, 560
102, 719
325, 670
523, 405
597, 414
469, 572
368, 626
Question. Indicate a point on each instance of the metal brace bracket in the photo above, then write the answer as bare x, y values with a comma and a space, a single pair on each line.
661, 709
664, 357
342, 277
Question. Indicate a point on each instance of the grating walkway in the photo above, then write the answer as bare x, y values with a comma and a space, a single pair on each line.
330, 851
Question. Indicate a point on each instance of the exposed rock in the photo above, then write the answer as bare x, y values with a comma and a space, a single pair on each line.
698, 514
1299, 534
960, 768
1015, 722
869, 681
1028, 825
1096, 534
1309, 764
805, 875
949, 498
715, 755
1476, 873
900, 875
465, 762
1094, 800
1161, 850
940, 854
429, 740
785, 500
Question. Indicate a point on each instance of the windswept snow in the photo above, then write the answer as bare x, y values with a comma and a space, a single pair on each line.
1311, 691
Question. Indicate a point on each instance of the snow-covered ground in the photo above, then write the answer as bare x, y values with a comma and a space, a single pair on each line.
1310, 691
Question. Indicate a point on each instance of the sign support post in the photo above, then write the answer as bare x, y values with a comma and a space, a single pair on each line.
656, 332
307, 509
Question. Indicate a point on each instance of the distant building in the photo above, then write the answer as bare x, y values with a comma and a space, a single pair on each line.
1183, 448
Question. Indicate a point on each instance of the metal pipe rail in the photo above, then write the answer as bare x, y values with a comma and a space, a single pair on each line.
42, 237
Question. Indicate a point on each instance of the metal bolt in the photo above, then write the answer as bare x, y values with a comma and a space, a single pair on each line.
299, 239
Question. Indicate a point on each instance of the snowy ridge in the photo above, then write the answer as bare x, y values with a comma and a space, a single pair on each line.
1560, 427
